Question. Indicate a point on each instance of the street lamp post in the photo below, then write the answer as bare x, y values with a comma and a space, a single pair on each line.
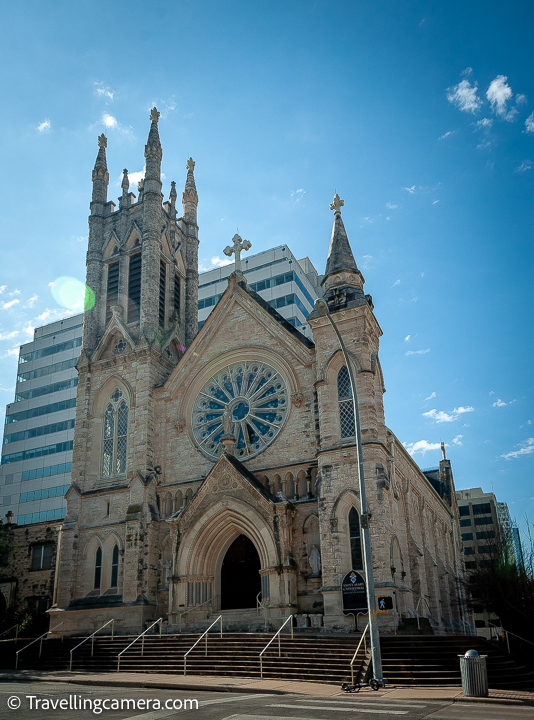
322, 307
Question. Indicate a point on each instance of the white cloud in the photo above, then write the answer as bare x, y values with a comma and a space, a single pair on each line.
421, 446
529, 123
55, 314
407, 338
44, 126
525, 448
483, 124
28, 329
492, 392
3, 288
366, 260
525, 166
215, 262
498, 94
464, 96
439, 416
110, 121
431, 397
297, 195
9, 335
458, 440
499, 403
446, 135
15, 292
12, 352
391, 206
411, 190
435, 202
7, 305
397, 282
103, 91
134, 177
467, 71
31, 301
520, 99
418, 352
529, 422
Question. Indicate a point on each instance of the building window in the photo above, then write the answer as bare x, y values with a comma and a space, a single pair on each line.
466, 522
467, 536
355, 540
134, 288
463, 510
471, 565
486, 535
98, 568
42, 557
113, 288
487, 549
162, 281
469, 551
346, 407
482, 509
115, 567
483, 521
115, 430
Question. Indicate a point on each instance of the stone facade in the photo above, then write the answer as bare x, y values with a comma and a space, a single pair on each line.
159, 510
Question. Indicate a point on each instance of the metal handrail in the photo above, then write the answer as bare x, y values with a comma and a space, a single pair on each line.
204, 634
195, 607
160, 621
11, 628
277, 634
417, 608
507, 632
261, 606
362, 639
34, 641
93, 640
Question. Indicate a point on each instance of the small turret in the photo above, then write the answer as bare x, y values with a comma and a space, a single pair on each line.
125, 184
172, 196
153, 154
342, 276
190, 196
100, 174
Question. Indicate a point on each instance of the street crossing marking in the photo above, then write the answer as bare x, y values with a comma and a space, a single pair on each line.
242, 696
390, 703
341, 709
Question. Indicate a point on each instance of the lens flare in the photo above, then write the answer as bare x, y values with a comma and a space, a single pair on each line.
73, 294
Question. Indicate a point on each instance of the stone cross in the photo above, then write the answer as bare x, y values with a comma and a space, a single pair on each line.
337, 204
190, 165
154, 115
238, 246
102, 141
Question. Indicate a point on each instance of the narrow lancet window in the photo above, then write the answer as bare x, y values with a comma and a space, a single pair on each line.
134, 288
112, 297
115, 567
162, 281
355, 540
346, 408
115, 436
98, 568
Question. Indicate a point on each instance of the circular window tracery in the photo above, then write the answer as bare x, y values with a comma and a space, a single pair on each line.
248, 399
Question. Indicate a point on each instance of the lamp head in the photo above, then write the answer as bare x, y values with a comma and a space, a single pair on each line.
321, 306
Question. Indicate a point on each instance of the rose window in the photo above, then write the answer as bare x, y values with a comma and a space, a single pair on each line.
247, 399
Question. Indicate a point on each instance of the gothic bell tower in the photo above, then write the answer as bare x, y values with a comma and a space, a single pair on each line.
141, 314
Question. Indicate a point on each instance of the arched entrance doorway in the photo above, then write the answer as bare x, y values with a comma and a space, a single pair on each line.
240, 577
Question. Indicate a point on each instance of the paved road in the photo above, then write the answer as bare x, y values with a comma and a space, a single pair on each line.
57, 700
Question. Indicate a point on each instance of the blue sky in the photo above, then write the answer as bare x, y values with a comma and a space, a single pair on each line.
421, 115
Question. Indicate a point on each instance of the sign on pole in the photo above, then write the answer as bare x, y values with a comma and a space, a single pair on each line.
354, 594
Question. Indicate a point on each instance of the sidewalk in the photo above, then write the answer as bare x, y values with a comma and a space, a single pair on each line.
254, 685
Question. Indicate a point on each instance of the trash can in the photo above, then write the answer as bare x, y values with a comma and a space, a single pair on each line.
474, 674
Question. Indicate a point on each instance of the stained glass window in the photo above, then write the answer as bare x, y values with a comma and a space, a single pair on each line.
115, 433
248, 399
98, 568
355, 540
346, 407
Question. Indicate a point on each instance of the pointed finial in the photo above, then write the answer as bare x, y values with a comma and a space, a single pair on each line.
125, 181
337, 204
154, 115
443, 450
102, 141
173, 193
190, 165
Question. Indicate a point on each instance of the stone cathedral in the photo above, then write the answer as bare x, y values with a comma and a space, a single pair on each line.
216, 469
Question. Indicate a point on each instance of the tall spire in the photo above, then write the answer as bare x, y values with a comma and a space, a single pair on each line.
153, 154
172, 196
125, 185
100, 173
340, 255
190, 196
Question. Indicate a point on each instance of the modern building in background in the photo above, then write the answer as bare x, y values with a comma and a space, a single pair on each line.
289, 285
39, 425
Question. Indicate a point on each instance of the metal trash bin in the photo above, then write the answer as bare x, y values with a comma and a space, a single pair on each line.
474, 674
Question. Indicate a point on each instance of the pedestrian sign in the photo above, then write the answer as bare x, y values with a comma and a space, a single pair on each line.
385, 603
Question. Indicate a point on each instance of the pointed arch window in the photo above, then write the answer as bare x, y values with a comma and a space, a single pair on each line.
115, 432
355, 540
115, 567
346, 407
98, 568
